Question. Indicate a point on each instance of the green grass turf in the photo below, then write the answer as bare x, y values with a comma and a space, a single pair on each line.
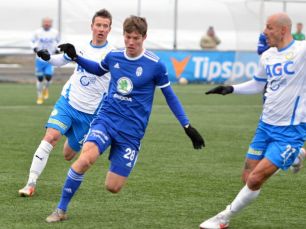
172, 185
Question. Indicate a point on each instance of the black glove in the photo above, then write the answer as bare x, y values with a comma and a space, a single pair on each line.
196, 138
223, 90
57, 51
35, 50
69, 50
44, 54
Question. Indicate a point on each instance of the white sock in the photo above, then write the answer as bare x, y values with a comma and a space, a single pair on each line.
39, 161
39, 88
244, 198
47, 83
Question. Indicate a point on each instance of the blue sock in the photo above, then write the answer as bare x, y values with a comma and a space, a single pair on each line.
73, 182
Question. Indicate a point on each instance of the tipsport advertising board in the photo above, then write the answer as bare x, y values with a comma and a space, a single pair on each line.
209, 66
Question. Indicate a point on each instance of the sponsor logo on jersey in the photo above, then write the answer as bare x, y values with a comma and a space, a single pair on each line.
278, 69
123, 98
139, 71
86, 80
124, 86
275, 84
117, 65
129, 164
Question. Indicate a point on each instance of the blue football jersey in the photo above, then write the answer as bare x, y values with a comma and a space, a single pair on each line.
128, 105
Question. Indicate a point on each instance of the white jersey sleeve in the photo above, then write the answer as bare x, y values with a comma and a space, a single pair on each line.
85, 91
58, 60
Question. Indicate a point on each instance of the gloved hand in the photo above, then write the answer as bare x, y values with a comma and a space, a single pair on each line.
222, 90
57, 51
196, 138
35, 50
69, 49
262, 44
44, 54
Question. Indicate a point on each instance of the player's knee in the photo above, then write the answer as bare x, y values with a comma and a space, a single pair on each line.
113, 188
244, 177
40, 78
254, 182
52, 138
48, 77
69, 153
69, 156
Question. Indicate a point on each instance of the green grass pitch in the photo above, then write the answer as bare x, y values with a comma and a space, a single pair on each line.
172, 185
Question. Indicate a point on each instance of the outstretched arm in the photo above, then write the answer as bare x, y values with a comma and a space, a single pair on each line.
250, 87
89, 65
178, 110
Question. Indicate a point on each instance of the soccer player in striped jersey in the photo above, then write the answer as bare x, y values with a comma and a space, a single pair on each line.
281, 131
44, 38
80, 100
123, 118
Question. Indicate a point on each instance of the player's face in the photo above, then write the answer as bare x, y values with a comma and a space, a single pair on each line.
47, 24
133, 43
100, 29
274, 33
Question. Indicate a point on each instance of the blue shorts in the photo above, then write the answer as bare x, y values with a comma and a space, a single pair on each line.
70, 122
124, 149
279, 144
43, 68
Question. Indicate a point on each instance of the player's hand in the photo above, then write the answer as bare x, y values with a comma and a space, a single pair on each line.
35, 50
69, 49
262, 44
222, 90
44, 54
196, 138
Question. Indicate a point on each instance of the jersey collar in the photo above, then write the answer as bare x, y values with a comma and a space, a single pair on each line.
133, 58
98, 46
288, 46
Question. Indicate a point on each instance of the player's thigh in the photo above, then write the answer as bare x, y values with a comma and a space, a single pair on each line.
39, 67
114, 182
249, 166
52, 136
48, 70
69, 152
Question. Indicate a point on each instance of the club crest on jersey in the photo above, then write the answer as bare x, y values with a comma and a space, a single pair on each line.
124, 86
278, 69
289, 56
139, 71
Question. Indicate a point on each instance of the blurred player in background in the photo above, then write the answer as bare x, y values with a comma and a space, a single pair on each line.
80, 99
123, 118
44, 38
298, 35
281, 131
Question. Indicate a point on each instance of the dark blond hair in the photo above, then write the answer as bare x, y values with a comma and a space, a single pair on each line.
135, 24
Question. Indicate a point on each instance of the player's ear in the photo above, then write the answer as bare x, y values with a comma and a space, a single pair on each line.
144, 37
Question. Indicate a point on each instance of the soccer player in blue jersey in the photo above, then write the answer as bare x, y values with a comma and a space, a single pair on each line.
281, 131
123, 118
80, 99
44, 38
